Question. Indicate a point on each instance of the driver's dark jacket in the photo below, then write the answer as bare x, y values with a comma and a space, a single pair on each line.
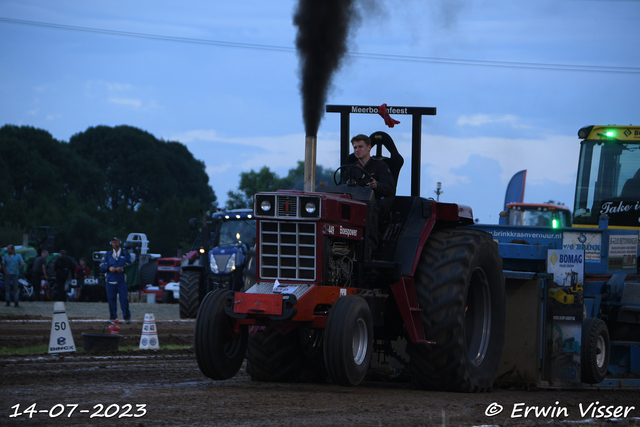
378, 170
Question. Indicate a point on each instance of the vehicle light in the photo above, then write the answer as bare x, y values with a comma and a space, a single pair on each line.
310, 207
264, 204
554, 223
201, 250
213, 264
231, 264
609, 134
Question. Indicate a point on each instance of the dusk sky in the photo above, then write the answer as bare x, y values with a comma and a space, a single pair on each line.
512, 82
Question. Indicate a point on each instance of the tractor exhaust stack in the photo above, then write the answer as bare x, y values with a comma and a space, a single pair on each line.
310, 148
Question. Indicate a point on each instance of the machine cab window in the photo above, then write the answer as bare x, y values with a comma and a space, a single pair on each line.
608, 176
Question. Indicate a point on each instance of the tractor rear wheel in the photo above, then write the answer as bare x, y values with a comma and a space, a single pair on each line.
460, 287
219, 350
189, 294
595, 350
274, 357
348, 340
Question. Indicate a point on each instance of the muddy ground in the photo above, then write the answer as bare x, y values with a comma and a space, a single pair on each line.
165, 388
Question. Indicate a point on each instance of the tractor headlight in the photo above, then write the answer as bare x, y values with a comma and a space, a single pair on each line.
213, 264
309, 207
265, 205
231, 264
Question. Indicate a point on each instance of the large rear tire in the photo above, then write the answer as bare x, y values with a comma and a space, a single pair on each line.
460, 287
189, 294
219, 350
594, 351
274, 357
348, 340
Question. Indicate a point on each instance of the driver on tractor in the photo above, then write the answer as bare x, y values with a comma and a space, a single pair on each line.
375, 174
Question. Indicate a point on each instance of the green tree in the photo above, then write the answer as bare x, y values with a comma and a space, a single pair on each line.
105, 182
140, 168
295, 178
250, 183
39, 176
265, 180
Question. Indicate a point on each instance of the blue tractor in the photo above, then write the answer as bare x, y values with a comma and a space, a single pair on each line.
218, 259
235, 235
573, 294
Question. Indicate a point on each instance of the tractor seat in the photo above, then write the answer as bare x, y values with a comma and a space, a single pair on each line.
395, 161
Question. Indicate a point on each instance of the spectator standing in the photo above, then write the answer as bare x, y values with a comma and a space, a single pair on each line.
11, 264
113, 264
63, 266
39, 272
82, 271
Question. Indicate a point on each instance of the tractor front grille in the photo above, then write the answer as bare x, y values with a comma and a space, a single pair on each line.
288, 250
288, 206
221, 260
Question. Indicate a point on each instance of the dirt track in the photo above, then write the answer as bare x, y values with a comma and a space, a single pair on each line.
174, 392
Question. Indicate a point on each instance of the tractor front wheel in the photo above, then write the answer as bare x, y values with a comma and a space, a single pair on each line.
460, 287
219, 348
348, 340
594, 351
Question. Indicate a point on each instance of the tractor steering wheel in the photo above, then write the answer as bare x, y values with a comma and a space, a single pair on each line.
350, 182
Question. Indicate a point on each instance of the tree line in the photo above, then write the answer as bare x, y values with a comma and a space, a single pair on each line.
253, 182
111, 181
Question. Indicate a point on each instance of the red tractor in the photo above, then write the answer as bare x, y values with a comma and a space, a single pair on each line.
324, 303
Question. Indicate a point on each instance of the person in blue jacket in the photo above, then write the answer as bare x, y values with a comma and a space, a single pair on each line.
11, 263
113, 263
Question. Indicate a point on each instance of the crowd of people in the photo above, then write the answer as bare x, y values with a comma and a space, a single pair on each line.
51, 284
42, 279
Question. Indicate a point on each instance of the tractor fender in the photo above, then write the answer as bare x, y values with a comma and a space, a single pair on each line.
424, 216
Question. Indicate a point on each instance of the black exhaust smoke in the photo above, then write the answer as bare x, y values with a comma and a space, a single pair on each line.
323, 29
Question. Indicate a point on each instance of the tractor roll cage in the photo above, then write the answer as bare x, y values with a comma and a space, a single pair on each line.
416, 114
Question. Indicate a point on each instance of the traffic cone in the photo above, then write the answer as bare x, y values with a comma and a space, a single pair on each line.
149, 338
61, 340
